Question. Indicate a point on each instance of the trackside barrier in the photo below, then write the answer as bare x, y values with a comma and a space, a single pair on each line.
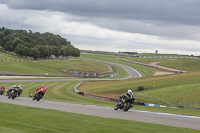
157, 105
113, 75
11, 60
77, 91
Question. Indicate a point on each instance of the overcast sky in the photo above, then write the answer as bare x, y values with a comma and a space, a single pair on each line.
169, 26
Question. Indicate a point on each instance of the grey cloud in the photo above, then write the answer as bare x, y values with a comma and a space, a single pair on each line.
174, 11
170, 18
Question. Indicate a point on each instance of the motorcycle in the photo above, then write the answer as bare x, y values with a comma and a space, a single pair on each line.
125, 103
38, 96
1, 92
12, 93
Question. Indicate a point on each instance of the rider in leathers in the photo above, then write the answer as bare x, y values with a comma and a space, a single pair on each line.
129, 94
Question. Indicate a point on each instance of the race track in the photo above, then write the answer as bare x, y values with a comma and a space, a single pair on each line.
135, 115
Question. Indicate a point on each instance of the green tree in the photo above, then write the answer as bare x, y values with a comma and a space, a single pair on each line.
62, 50
35, 53
41, 50
19, 49
25, 51
47, 43
56, 51
15, 42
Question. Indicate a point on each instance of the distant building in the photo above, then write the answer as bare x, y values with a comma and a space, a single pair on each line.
52, 57
156, 52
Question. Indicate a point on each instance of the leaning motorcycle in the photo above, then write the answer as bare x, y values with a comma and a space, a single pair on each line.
12, 94
125, 104
38, 96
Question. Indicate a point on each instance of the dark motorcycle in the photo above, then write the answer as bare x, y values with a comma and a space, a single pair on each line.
38, 96
12, 93
125, 103
1, 92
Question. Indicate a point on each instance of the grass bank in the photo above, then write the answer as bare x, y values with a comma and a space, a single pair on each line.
41, 67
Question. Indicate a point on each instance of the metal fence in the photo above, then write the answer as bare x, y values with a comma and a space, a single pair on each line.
188, 105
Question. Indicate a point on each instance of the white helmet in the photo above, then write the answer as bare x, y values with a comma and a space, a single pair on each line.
14, 86
129, 91
19, 85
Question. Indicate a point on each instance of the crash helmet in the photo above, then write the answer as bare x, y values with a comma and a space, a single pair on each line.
130, 92
43, 85
14, 86
19, 85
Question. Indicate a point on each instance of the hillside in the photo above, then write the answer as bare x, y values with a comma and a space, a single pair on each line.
36, 45
21, 66
166, 89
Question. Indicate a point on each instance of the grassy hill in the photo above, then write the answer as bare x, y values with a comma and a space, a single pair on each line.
27, 67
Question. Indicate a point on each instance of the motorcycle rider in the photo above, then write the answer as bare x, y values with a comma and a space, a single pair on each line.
40, 90
2, 89
19, 90
10, 90
129, 94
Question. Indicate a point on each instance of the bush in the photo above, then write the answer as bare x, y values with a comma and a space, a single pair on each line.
140, 88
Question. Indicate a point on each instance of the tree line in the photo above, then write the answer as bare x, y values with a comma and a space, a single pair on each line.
36, 45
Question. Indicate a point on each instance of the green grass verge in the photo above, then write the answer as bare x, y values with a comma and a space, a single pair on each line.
29, 68
20, 119
75, 63
5, 56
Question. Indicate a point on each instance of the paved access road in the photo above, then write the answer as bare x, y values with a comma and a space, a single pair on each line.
135, 115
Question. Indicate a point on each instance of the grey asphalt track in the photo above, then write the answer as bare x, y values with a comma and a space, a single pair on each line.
135, 115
